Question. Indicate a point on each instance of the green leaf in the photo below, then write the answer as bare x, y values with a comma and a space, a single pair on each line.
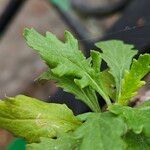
65, 59
118, 57
96, 60
64, 142
31, 119
108, 83
87, 95
136, 141
98, 132
83, 117
132, 79
101, 132
137, 119
57, 53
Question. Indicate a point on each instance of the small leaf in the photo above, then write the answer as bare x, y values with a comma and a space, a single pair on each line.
137, 119
31, 119
96, 60
132, 79
118, 57
108, 83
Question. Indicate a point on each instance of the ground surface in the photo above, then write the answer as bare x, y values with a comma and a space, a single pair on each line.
19, 65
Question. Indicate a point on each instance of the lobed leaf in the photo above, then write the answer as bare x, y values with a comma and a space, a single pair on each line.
108, 83
96, 60
118, 57
87, 94
64, 59
137, 119
132, 79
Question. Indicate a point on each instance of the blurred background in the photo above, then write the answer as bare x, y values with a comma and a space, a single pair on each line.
88, 20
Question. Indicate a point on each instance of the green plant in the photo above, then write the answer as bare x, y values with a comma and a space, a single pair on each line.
52, 126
